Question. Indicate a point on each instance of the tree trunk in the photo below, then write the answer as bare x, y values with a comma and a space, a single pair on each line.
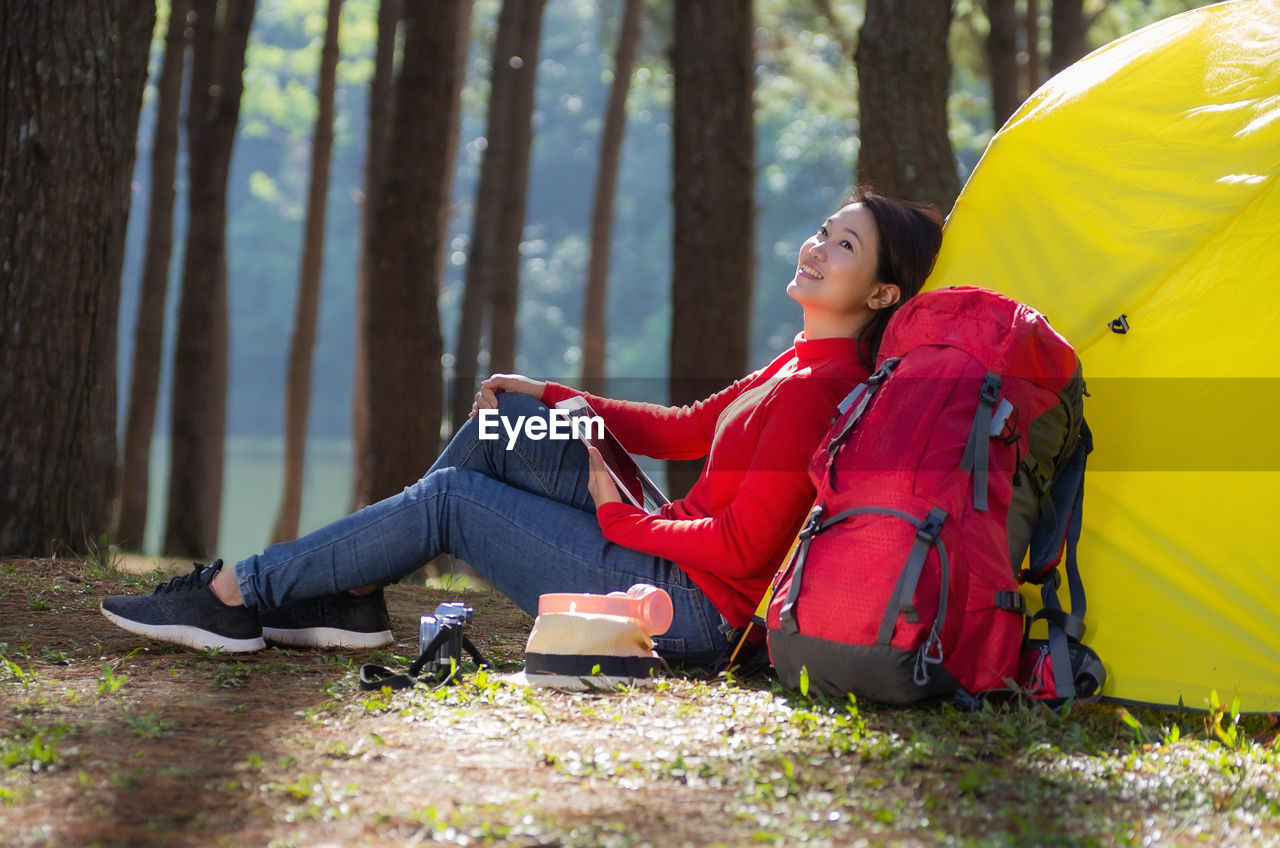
511, 147
1031, 35
714, 176
377, 133
402, 327
1067, 34
594, 336
148, 333
199, 396
74, 74
903, 76
1002, 59
298, 382
493, 265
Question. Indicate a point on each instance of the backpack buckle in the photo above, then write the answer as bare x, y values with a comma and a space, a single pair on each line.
990, 389
929, 530
812, 525
1012, 601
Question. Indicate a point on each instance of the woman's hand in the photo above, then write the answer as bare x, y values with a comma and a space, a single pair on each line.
600, 484
487, 397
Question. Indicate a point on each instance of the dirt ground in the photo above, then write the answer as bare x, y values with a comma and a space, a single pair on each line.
110, 739
176, 755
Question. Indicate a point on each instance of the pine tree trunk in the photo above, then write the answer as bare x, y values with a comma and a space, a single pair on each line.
493, 264
1031, 37
1067, 34
402, 327
148, 333
199, 396
1002, 59
298, 382
74, 74
377, 133
714, 176
903, 76
517, 72
594, 332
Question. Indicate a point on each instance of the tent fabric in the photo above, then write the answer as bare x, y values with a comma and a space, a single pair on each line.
1142, 182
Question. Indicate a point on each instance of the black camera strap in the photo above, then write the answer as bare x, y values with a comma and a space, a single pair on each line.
374, 678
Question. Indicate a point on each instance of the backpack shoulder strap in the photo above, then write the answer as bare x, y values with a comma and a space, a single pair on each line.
1067, 497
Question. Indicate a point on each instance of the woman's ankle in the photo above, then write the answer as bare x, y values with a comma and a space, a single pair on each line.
226, 588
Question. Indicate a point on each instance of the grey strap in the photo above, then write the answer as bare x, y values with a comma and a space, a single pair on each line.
812, 527
786, 615
931, 651
859, 399
851, 398
977, 450
903, 600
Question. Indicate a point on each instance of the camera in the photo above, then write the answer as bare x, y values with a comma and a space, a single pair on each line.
449, 618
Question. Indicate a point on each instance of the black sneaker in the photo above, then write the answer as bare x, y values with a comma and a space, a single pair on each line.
185, 611
343, 620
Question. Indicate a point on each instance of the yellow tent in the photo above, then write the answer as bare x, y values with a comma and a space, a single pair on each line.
1134, 200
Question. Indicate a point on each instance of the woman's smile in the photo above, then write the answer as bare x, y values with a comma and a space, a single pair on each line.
808, 269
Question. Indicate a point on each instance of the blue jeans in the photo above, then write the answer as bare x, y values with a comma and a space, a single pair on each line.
523, 518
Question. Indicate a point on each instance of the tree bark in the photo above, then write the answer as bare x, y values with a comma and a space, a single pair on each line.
714, 175
402, 327
377, 133
298, 381
1031, 35
903, 76
148, 333
74, 74
594, 331
517, 73
1002, 59
199, 396
1067, 34
493, 264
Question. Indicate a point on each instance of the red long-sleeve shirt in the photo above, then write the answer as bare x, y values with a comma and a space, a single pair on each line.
731, 532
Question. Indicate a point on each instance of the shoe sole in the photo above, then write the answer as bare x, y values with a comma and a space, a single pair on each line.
326, 637
187, 636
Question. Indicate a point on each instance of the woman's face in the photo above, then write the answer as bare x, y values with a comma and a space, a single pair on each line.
836, 271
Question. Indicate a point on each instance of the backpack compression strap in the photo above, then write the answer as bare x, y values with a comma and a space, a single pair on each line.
902, 601
977, 450
1067, 628
858, 399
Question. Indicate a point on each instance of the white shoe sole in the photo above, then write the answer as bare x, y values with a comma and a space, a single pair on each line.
187, 636
326, 637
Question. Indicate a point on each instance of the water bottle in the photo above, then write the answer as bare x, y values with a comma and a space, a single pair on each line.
646, 605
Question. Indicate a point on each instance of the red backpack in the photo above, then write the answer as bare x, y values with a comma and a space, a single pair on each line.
961, 454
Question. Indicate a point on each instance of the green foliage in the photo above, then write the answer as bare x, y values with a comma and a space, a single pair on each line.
32, 747
149, 726
26, 676
111, 681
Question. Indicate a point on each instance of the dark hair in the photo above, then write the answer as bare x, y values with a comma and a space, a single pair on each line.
909, 235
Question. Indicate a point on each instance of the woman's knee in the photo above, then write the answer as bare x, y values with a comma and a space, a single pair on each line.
519, 405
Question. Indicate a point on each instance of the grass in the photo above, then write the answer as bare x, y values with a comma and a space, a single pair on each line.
102, 725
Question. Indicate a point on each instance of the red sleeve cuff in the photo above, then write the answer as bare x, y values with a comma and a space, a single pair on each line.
553, 393
610, 513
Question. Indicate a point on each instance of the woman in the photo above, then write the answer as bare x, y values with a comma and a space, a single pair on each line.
546, 516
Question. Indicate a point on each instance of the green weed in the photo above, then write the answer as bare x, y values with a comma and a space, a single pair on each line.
149, 726
111, 680
25, 676
35, 748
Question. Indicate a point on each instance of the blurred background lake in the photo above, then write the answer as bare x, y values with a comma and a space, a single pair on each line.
251, 490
